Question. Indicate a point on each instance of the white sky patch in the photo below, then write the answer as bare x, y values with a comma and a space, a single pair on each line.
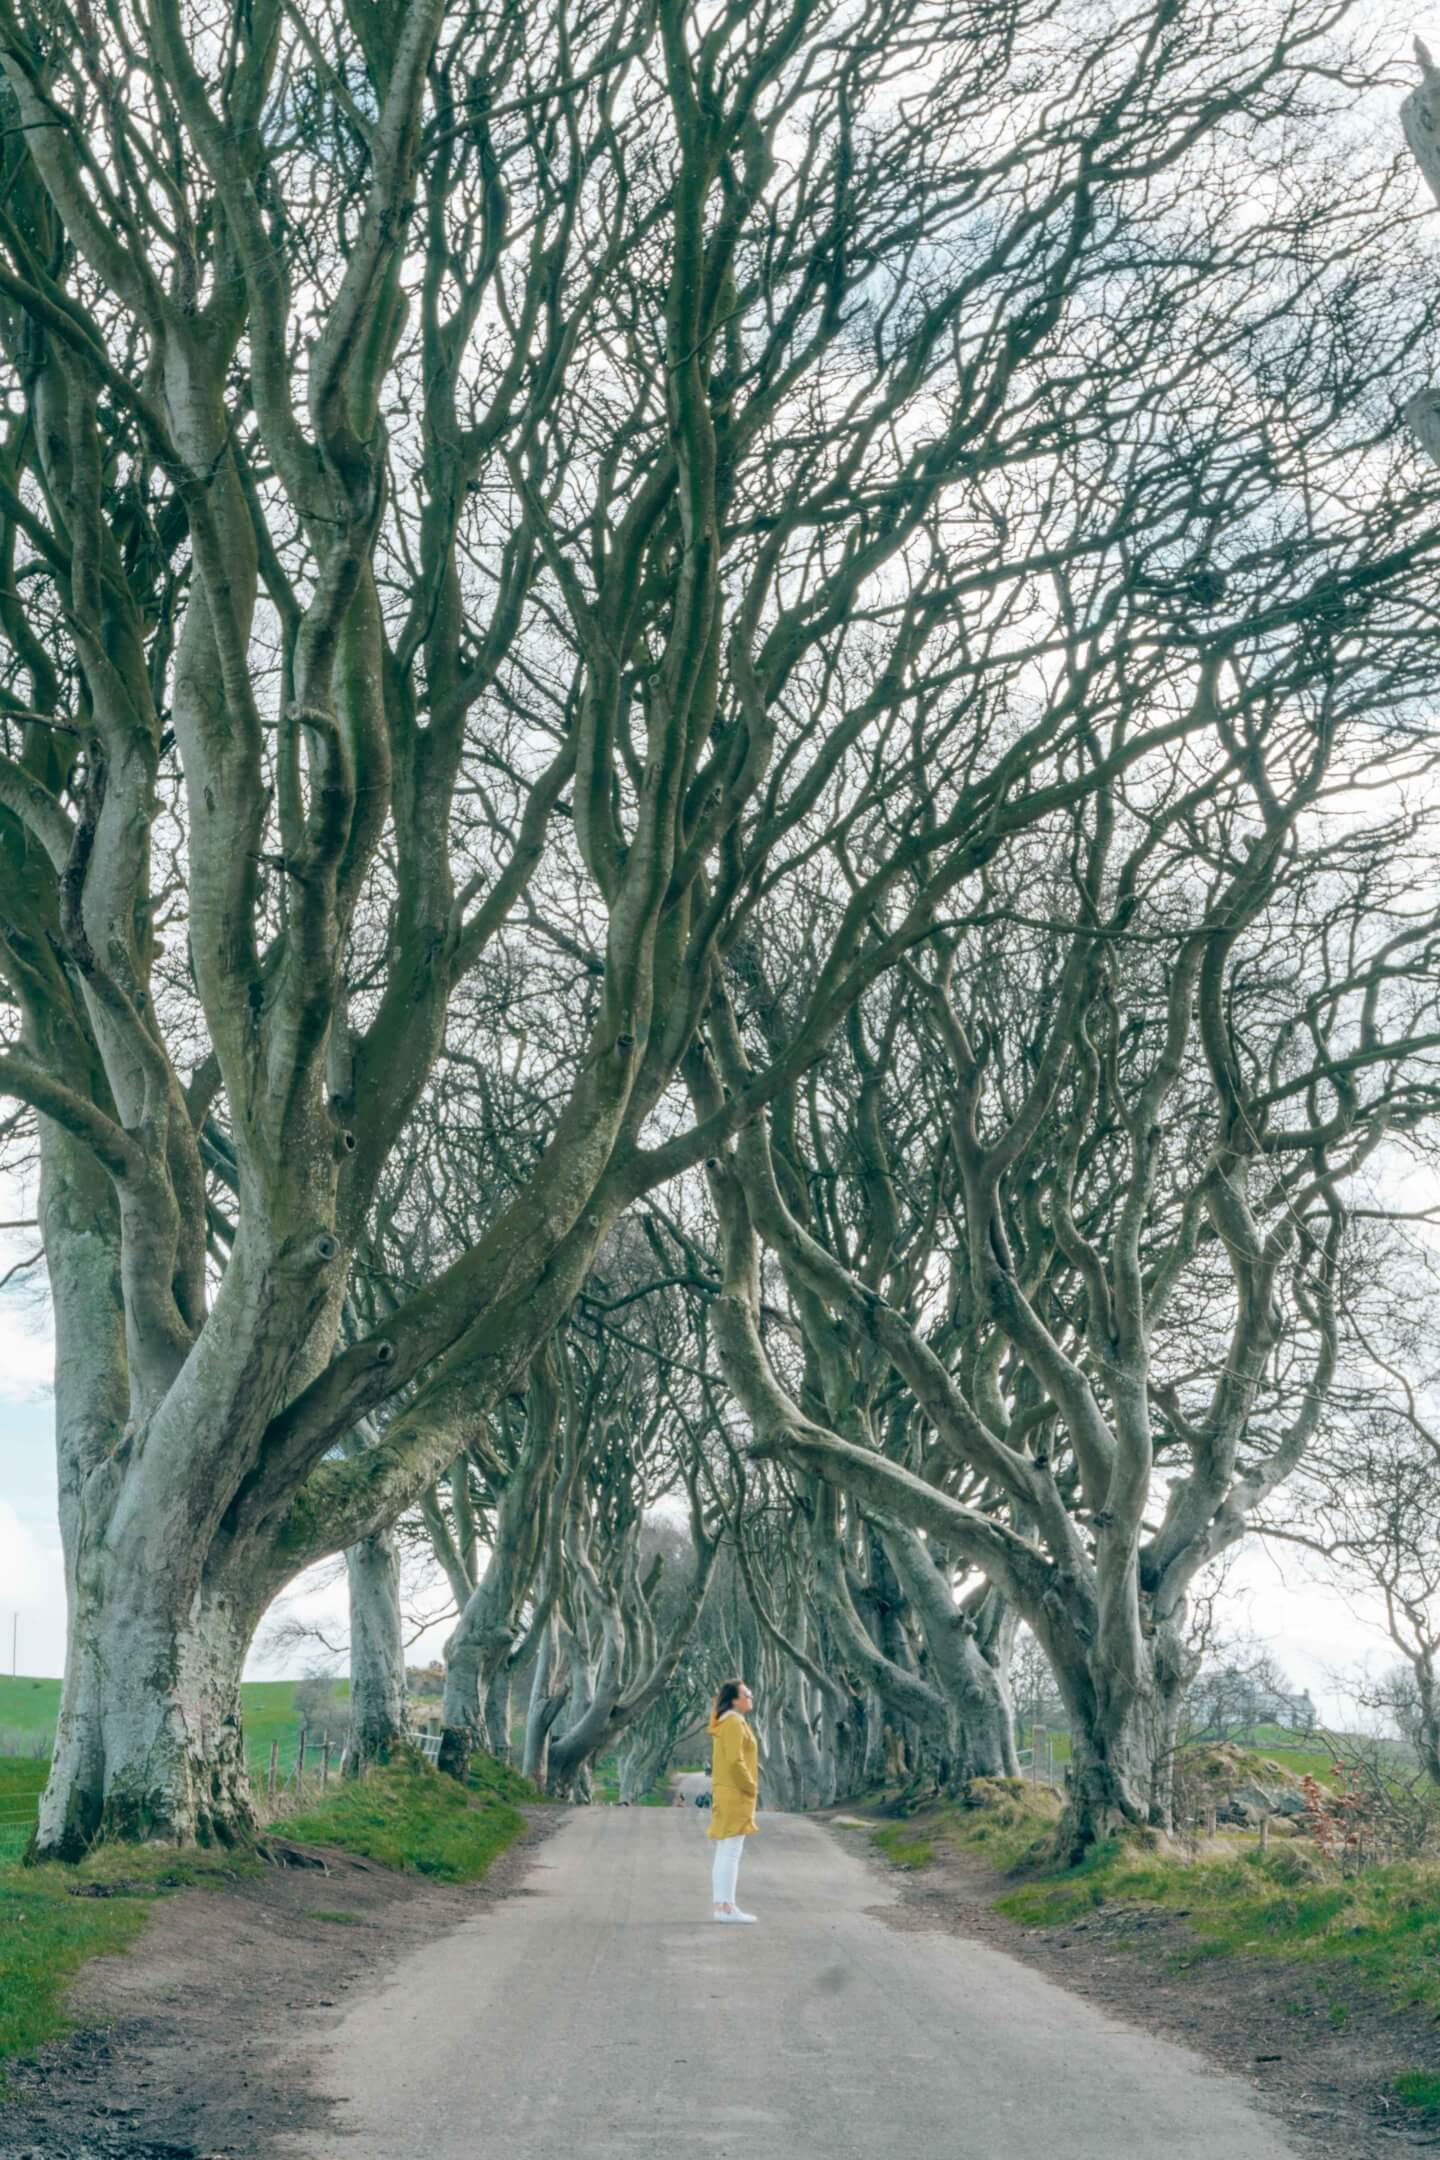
318, 1599
32, 1595
27, 1353
27, 1565
1324, 1639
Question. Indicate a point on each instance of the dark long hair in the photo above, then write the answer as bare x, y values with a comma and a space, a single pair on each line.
726, 1698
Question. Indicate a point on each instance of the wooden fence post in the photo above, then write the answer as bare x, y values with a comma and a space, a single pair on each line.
274, 1766
300, 1761
324, 1760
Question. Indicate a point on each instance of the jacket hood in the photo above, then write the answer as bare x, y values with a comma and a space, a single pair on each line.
714, 1725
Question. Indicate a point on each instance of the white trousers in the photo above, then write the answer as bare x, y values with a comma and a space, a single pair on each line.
726, 1868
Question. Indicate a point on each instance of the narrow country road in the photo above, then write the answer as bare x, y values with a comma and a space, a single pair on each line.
601, 2013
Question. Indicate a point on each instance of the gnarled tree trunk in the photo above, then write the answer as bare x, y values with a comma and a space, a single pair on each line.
150, 1743
982, 1722
377, 1652
546, 1703
1123, 1737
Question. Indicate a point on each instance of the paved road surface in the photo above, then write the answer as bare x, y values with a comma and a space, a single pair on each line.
601, 2013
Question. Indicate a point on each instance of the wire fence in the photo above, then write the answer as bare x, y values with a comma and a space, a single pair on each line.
1039, 1761
287, 1774
299, 1768
20, 1809
293, 1772
21, 1784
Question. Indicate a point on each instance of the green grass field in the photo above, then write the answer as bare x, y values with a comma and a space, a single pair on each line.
21, 1780
28, 1710
30, 1707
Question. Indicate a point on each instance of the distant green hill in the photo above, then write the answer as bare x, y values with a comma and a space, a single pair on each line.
29, 1708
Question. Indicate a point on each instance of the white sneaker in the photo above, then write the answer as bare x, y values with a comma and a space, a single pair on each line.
735, 1914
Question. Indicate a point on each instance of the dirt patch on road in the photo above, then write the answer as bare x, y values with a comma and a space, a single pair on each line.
182, 2046
1323, 2059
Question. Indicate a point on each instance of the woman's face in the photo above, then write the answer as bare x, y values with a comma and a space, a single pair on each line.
744, 1700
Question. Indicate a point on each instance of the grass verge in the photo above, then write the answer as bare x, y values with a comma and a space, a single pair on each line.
1004, 1820
407, 1816
1420, 2089
55, 1919
44, 1937
903, 1846
1380, 1928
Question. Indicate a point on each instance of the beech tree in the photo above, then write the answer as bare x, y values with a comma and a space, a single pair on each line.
1143, 1287
1369, 1501
534, 487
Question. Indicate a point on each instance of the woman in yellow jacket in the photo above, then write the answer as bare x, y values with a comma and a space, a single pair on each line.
734, 1787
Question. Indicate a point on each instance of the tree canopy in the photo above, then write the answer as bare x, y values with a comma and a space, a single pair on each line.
775, 662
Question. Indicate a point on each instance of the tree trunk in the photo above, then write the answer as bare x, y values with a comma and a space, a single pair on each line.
476, 1710
1112, 1775
641, 1762
801, 1749
1427, 1723
461, 1729
476, 1660
590, 1701
544, 1707
496, 1712
1122, 1741
377, 1652
982, 1725
844, 1742
777, 1770
150, 1744
873, 1760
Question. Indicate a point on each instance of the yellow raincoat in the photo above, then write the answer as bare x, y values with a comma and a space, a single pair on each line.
734, 1777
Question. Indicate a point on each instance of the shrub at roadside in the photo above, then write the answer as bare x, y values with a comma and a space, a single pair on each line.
410, 1817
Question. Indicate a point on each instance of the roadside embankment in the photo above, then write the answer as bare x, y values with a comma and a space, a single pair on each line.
405, 1817
1322, 1981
